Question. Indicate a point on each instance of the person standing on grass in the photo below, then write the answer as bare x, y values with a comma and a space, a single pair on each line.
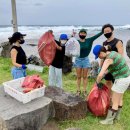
82, 63
18, 55
116, 45
55, 69
117, 66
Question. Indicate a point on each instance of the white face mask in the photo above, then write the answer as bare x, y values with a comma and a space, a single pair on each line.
63, 42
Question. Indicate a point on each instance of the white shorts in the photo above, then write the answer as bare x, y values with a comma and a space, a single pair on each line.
121, 85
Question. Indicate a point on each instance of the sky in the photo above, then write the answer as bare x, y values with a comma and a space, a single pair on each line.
67, 12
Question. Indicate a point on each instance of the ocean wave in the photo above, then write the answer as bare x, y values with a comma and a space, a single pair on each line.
34, 32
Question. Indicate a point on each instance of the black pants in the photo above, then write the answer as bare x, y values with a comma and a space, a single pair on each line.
110, 77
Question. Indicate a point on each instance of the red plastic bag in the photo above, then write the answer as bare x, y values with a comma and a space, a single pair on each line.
47, 48
98, 100
32, 82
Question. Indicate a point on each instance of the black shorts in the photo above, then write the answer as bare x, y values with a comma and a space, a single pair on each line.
110, 77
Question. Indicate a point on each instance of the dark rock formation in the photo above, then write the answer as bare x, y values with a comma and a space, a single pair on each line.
67, 106
5, 49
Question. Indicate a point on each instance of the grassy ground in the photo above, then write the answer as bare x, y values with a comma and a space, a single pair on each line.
90, 122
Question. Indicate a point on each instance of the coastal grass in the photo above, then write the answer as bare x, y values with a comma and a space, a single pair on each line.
90, 122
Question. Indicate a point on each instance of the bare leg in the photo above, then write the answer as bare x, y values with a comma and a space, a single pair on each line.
116, 100
79, 73
85, 80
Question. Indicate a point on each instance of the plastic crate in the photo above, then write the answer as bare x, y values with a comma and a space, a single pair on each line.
14, 89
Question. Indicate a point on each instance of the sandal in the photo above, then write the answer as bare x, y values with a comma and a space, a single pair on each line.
85, 93
78, 93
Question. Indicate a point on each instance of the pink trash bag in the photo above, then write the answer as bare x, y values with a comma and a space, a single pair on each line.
98, 100
47, 48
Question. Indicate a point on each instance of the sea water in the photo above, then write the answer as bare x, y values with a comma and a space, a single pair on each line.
35, 32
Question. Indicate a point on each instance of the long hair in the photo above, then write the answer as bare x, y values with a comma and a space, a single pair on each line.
12, 40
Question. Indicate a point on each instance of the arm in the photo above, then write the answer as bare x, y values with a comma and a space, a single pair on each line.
105, 66
96, 36
101, 63
58, 47
119, 47
13, 58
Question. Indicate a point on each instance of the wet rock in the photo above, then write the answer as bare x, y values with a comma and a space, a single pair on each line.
67, 105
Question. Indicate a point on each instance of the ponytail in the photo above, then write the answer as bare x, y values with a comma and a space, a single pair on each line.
12, 40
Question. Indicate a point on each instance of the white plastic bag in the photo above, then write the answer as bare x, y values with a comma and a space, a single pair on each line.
72, 47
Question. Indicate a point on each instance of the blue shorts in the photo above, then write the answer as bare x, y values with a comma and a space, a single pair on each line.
18, 72
82, 63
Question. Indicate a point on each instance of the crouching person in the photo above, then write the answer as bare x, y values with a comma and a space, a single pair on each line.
117, 66
55, 69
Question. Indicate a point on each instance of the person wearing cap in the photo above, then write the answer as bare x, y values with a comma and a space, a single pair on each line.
116, 45
115, 64
82, 63
55, 69
18, 55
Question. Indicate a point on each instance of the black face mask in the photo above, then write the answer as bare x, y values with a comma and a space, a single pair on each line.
108, 35
21, 41
82, 36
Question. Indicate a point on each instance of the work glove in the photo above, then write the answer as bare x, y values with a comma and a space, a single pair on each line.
100, 85
24, 66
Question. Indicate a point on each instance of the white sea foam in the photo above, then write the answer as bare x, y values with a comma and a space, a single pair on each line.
34, 32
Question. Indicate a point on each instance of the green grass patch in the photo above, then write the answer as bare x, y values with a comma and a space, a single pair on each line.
69, 84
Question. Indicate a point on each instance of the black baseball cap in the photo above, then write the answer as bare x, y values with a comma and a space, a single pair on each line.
17, 35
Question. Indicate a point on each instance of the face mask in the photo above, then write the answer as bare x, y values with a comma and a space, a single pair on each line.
63, 42
21, 41
82, 36
108, 35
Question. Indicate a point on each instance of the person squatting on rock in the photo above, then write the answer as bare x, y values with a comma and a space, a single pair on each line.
55, 69
18, 55
115, 64
116, 45
82, 63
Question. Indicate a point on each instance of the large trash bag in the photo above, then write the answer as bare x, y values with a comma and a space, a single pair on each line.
72, 47
32, 82
98, 100
47, 48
